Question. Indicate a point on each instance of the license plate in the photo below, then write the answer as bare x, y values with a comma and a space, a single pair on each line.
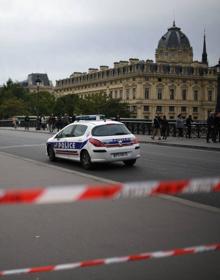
115, 155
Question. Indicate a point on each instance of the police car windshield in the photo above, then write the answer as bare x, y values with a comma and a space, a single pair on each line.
110, 129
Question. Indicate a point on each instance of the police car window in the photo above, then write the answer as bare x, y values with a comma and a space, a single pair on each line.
66, 132
110, 129
79, 130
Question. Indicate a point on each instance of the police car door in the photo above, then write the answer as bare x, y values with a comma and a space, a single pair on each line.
63, 146
78, 140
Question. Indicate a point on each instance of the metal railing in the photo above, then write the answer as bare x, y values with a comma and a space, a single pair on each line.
137, 126
144, 127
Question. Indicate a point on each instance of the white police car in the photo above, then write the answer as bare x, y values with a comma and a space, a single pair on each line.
94, 141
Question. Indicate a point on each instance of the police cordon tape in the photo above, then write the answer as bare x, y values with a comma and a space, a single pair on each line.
61, 194
114, 260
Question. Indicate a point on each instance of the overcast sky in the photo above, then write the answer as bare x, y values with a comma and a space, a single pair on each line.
59, 37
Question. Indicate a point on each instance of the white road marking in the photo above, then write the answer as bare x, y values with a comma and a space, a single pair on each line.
21, 146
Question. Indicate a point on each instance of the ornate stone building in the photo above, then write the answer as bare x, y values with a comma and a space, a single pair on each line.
173, 84
38, 81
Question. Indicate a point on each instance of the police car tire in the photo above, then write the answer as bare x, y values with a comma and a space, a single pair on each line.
51, 154
85, 160
129, 162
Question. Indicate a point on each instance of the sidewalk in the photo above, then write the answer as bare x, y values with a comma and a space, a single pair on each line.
194, 143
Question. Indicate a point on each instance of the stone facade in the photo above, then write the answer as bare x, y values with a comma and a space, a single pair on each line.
173, 84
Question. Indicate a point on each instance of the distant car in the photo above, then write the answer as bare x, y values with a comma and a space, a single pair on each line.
94, 141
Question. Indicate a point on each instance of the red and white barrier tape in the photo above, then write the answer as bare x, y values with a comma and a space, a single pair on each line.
62, 194
123, 259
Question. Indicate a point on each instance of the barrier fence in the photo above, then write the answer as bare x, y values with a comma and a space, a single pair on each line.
114, 260
61, 194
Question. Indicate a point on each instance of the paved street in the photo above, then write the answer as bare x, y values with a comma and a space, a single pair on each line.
35, 235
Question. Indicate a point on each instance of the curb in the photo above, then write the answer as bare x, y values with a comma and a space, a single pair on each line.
181, 145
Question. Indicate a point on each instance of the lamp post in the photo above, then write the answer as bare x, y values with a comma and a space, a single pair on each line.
38, 82
217, 108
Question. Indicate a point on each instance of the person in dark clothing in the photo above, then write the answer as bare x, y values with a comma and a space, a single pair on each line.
164, 127
73, 118
156, 127
26, 122
189, 122
217, 124
51, 123
65, 120
210, 128
59, 123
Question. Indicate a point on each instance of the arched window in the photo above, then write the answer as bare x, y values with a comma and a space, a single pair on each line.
172, 94
159, 93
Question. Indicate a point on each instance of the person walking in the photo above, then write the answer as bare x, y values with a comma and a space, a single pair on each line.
164, 127
189, 122
15, 122
43, 122
26, 122
217, 124
210, 128
59, 123
180, 125
156, 127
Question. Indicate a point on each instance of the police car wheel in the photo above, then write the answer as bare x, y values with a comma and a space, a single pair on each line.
85, 160
129, 162
51, 154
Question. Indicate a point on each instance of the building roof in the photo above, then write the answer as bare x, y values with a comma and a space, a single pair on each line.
174, 38
34, 77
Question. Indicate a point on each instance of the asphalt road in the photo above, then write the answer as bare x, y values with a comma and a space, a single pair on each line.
34, 235
157, 162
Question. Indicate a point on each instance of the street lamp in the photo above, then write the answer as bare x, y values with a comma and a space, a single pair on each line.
38, 82
217, 108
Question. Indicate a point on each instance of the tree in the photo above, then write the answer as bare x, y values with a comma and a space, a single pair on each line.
102, 104
13, 94
41, 102
66, 105
12, 107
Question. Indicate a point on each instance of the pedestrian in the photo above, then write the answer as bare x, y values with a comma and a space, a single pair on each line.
15, 122
217, 124
43, 122
156, 127
189, 122
210, 128
73, 118
117, 118
51, 123
26, 122
65, 120
59, 123
38, 123
180, 125
164, 127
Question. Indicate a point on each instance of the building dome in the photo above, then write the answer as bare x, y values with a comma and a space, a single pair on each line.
174, 46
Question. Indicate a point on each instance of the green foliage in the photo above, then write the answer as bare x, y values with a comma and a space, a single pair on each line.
102, 104
12, 107
41, 103
66, 104
16, 100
